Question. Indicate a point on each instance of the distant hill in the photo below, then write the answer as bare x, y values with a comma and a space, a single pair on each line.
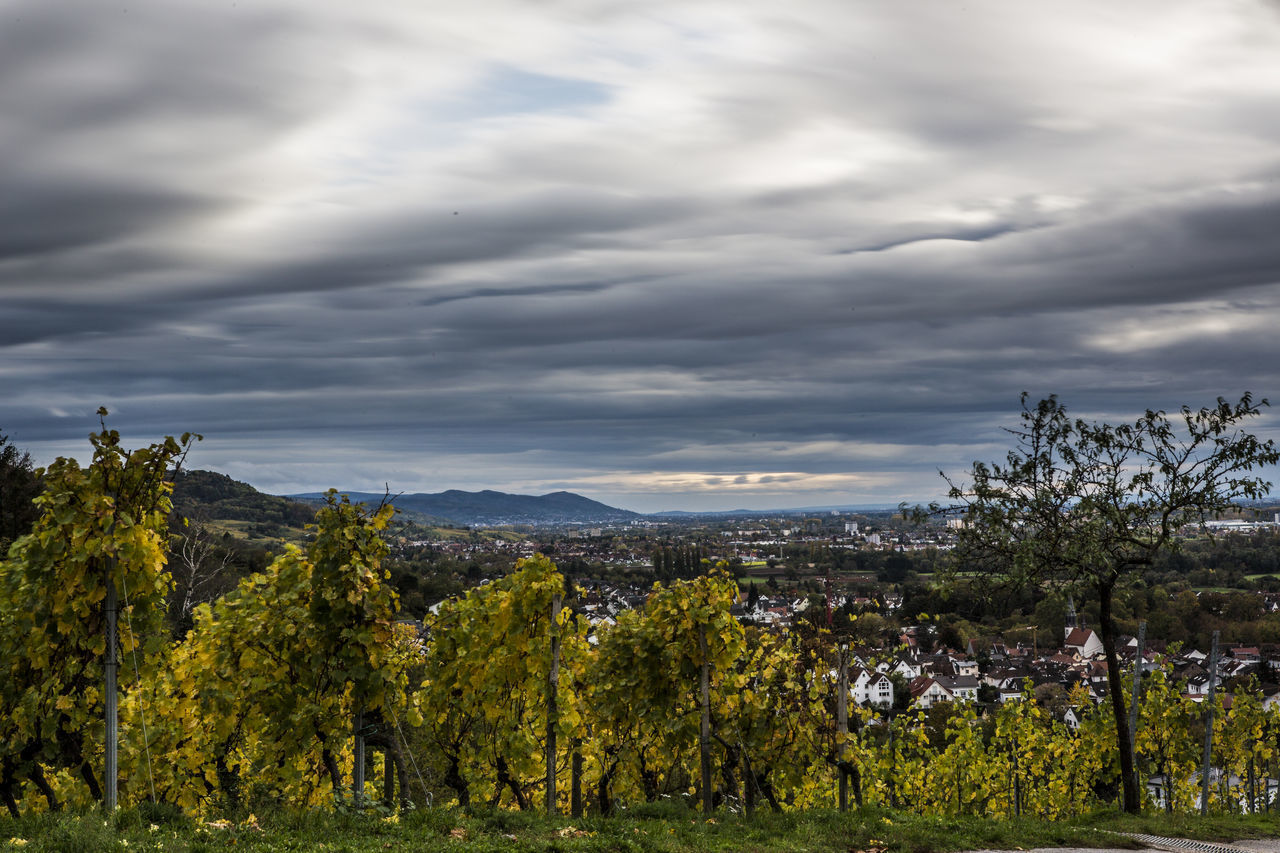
211, 496
794, 510
490, 508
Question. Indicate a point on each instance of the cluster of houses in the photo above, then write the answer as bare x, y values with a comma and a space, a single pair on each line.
948, 675
958, 676
952, 676
577, 546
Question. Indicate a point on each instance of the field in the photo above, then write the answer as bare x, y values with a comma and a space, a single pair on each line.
665, 829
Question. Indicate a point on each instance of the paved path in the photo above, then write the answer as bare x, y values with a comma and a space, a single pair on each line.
1172, 845
1253, 845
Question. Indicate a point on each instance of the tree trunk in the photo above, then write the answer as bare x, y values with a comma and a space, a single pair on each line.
1128, 774
648, 781
37, 776
86, 773
842, 726
575, 780
729, 767
6, 796
505, 779
335, 773
603, 796
766, 787
7, 782
228, 782
453, 778
402, 779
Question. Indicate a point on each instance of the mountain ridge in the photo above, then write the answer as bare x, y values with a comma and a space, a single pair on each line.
490, 507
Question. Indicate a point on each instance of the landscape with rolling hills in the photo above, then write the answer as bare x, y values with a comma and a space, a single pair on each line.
588, 426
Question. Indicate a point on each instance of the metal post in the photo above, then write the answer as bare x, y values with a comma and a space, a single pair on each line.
704, 739
842, 724
1133, 706
1208, 728
553, 684
893, 753
110, 772
357, 772
1017, 781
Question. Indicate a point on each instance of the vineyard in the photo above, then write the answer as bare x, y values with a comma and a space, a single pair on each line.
300, 689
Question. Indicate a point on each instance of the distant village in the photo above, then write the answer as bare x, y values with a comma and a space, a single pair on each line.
989, 670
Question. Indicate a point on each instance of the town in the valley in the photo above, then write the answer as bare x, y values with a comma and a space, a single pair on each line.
918, 635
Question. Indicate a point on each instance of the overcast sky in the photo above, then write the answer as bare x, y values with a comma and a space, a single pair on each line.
669, 255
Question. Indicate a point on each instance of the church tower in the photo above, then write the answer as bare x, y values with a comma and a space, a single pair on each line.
1071, 618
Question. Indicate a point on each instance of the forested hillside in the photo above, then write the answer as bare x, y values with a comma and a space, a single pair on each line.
217, 497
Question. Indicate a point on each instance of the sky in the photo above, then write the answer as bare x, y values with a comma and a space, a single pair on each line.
698, 255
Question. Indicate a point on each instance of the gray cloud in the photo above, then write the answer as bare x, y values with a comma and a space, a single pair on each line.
708, 258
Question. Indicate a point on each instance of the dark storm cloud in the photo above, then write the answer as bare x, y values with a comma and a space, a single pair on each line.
44, 214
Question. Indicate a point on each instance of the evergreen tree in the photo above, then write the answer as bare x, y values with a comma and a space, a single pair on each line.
19, 487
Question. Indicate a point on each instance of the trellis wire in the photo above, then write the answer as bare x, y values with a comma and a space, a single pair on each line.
395, 718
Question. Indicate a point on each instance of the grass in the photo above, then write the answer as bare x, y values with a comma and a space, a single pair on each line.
666, 829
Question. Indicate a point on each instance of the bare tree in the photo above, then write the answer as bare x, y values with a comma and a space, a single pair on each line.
199, 566
1089, 505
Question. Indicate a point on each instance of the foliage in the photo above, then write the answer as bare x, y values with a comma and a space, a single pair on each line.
1091, 504
270, 678
255, 706
644, 691
99, 527
489, 662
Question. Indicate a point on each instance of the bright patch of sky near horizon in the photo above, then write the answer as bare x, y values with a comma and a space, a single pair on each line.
671, 255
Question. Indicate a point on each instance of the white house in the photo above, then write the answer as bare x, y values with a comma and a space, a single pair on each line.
964, 688
906, 668
927, 692
870, 687
1083, 642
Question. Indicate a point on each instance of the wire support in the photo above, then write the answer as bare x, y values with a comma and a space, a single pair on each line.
395, 718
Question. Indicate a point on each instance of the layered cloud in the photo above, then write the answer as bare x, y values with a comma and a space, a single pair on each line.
671, 255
